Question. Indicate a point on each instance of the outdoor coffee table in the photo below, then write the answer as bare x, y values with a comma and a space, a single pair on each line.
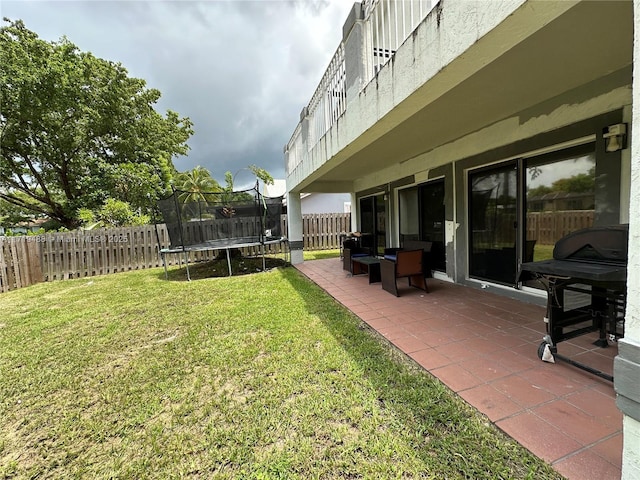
368, 264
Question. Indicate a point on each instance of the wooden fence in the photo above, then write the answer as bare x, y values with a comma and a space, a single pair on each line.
26, 260
321, 231
547, 227
58, 256
544, 227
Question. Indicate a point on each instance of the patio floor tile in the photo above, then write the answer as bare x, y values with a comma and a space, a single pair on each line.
456, 351
598, 405
587, 464
410, 344
372, 315
393, 332
542, 438
485, 368
575, 423
456, 377
610, 449
429, 359
494, 404
522, 391
484, 347
545, 376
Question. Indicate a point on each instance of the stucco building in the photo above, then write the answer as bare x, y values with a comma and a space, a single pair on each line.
491, 129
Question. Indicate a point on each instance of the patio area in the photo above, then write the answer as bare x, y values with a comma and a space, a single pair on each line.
483, 346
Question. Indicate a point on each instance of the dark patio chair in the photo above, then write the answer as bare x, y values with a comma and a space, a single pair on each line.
407, 264
352, 248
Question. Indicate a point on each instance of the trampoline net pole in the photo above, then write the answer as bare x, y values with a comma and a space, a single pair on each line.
186, 261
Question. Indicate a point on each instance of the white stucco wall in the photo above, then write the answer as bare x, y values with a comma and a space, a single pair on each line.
325, 203
632, 323
631, 445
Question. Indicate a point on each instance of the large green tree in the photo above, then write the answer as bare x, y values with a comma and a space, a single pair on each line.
76, 130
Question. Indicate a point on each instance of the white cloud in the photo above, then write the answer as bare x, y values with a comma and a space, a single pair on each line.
241, 70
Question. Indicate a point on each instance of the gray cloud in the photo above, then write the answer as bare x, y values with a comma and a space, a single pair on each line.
241, 70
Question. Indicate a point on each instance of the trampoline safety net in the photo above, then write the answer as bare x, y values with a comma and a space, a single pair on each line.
201, 220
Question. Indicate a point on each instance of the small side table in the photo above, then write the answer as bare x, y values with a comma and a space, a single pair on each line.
368, 264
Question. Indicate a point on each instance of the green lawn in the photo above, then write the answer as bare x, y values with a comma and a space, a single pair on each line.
320, 254
258, 376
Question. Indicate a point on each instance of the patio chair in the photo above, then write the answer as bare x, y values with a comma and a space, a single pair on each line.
407, 264
352, 248
425, 246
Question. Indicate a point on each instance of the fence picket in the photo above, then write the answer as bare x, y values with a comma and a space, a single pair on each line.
4, 281
57, 256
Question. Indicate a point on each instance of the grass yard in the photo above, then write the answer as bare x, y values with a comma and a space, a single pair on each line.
258, 376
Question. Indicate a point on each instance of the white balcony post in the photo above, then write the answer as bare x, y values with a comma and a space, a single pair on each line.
354, 52
355, 213
294, 217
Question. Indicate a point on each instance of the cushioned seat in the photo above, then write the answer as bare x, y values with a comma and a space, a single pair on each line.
350, 253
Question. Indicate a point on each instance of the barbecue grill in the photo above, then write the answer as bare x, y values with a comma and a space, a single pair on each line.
586, 289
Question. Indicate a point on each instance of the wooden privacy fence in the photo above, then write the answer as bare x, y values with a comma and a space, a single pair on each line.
544, 227
26, 260
20, 264
547, 227
321, 231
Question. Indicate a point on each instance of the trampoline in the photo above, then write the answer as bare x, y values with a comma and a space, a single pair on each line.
210, 221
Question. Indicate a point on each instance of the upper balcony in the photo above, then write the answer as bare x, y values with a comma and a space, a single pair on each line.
412, 76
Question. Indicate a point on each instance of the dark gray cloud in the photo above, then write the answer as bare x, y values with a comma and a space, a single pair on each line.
241, 70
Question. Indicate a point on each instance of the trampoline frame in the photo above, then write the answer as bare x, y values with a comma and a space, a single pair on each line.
210, 246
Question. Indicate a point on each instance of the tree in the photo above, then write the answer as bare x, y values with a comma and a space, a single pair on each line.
580, 183
194, 183
11, 214
116, 213
260, 174
75, 130
229, 179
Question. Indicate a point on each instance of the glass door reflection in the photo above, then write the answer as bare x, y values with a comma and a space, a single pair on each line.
493, 224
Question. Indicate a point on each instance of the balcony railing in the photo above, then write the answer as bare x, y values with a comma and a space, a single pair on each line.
295, 149
387, 24
329, 101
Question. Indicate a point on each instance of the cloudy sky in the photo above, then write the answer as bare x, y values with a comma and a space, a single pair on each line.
241, 70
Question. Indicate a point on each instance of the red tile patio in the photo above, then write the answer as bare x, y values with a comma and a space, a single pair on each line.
483, 346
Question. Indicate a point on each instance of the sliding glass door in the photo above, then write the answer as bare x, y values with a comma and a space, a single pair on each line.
560, 198
373, 223
520, 209
493, 222
432, 222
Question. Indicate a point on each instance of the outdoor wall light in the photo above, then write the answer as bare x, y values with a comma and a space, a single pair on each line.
615, 137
